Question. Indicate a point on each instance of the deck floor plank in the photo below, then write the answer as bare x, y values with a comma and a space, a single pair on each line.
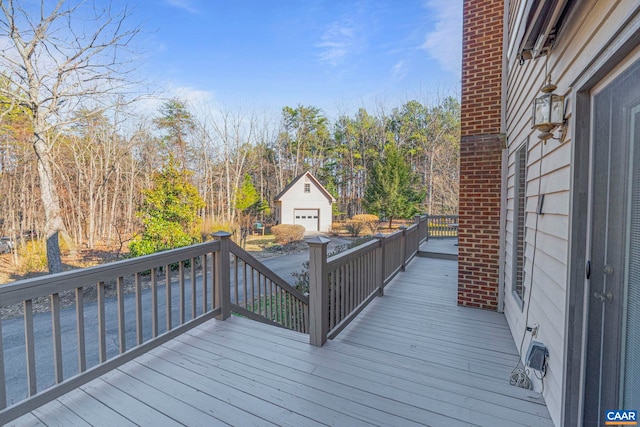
399, 376
299, 384
347, 386
412, 357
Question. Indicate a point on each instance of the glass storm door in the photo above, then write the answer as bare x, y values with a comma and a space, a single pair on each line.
613, 341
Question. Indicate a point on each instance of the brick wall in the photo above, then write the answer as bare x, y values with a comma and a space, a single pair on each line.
480, 154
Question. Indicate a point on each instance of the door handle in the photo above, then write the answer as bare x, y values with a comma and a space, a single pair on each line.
603, 297
587, 269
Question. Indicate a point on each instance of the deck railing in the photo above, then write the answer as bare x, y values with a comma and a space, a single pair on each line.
72, 327
82, 323
443, 226
260, 294
342, 286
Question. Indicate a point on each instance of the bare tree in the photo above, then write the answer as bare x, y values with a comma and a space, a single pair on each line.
59, 57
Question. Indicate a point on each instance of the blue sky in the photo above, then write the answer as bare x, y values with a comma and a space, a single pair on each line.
335, 54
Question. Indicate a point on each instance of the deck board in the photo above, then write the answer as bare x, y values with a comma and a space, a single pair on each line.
412, 357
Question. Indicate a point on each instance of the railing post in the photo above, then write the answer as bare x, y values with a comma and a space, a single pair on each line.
427, 225
380, 264
403, 246
318, 291
222, 277
416, 220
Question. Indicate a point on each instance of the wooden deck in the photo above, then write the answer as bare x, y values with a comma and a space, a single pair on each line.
441, 248
411, 358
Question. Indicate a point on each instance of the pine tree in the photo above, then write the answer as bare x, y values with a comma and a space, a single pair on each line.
392, 190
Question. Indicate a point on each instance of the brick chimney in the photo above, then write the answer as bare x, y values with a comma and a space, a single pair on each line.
480, 154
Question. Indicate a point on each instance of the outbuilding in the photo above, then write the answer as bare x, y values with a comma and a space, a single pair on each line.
305, 202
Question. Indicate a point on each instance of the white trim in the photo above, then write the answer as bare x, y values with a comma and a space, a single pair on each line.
620, 68
515, 41
585, 83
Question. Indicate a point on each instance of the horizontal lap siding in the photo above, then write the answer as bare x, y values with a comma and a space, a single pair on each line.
592, 27
296, 198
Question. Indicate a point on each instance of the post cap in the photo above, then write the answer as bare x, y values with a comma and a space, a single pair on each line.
221, 234
317, 240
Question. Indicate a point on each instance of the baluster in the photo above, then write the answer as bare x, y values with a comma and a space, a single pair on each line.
102, 327
167, 296
262, 289
154, 303
182, 293
253, 291
122, 330
262, 281
138, 283
214, 274
57, 339
194, 301
280, 317
245, 285
30, 347
271, 306
203, 260
344, 286
82, 353
293, 315
236, 275
3, 389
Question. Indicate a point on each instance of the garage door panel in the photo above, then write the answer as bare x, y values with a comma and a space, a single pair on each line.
308, 218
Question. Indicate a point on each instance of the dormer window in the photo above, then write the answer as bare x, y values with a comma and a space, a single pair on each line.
307, 188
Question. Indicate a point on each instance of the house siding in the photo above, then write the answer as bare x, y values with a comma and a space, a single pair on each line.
587, 34
295, 198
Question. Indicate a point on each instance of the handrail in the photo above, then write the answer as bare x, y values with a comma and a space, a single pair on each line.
22, 290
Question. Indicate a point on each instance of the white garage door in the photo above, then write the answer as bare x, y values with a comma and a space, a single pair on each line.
308, 218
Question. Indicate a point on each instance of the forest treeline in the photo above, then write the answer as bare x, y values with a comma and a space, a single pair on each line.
103, 162
80, 164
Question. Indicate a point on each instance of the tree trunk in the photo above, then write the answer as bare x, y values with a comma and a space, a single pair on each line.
51, 204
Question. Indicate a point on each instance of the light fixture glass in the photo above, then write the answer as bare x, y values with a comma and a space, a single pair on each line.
548, 111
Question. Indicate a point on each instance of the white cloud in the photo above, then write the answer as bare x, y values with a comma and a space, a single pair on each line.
183, 4
444, 43
337, 42
194, 98
192, 95
399, 71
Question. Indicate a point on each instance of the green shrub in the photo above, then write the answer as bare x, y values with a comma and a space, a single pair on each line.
287, 233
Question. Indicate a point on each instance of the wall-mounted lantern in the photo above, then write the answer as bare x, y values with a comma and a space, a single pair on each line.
548, 111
